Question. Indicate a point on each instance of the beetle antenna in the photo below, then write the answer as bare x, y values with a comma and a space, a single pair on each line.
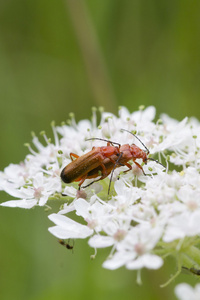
149, 158
91, 139
138, 140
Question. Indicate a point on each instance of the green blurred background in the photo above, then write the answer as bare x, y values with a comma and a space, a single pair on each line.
62, 56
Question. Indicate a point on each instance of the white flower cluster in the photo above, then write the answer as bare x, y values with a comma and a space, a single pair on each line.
144, 218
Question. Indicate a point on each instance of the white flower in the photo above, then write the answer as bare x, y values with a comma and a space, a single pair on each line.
184, 291
146, 217
66, 228
95, 214
24, 203
38, 192
182, 225
136, 247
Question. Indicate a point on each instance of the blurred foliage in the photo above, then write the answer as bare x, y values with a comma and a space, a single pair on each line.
63, 56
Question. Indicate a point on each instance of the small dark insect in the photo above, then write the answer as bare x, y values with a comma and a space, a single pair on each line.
67, 245
101, 161
192, 270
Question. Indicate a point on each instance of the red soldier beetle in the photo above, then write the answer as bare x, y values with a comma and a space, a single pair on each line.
79, 168
101, 161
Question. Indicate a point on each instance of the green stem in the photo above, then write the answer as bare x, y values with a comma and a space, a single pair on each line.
99, 79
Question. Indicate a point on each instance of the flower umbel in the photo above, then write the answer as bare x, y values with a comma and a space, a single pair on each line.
146, 216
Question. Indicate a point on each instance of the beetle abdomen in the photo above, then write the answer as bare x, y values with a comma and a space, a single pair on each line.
66, 177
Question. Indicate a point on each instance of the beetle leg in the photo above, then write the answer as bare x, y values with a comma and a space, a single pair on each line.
138, 165
93, 182
104, 174
81, 181
73, 155
115, 164
129, 167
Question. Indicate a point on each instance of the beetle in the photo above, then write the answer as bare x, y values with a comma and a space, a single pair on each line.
101, 161
80, 167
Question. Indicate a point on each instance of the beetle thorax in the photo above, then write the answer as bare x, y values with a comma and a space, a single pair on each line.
138, 153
